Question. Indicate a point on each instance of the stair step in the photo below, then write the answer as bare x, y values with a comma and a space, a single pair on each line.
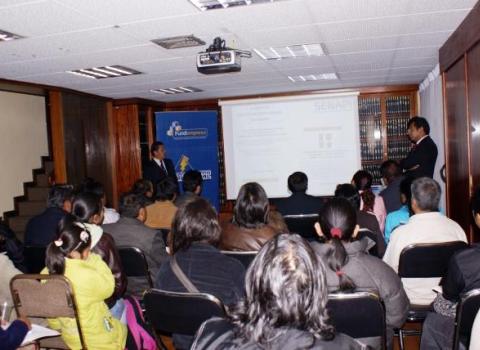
37, 193
48, 166
31, 208
41, 180
18, 223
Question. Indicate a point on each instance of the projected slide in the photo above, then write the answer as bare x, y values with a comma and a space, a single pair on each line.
265, 140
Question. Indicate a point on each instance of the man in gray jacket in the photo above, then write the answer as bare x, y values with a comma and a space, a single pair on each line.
130, 231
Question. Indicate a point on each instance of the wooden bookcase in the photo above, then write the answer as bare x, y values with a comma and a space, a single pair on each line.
383, 119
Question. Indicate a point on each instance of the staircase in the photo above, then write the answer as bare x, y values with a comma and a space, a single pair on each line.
34, 200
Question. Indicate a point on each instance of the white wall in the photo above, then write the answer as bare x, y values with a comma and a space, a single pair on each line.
23, 141
431, 107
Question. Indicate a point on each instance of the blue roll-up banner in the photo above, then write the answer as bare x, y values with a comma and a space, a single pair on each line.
191, 141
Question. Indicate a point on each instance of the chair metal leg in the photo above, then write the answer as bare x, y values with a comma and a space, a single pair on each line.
401, 339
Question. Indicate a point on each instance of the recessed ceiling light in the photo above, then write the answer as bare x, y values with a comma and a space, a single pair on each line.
177, 90
177, 42
7, 36
221, 4
313, 77
105, 72
293, 51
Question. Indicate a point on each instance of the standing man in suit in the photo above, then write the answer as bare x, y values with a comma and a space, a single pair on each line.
299, 202
421, 159
159, 167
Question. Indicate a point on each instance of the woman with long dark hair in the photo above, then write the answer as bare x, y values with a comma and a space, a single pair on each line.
350, 266
284, 307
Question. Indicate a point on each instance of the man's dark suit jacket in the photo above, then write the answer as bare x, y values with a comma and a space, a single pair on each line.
298, 203
155, 173
42, 229
424, 154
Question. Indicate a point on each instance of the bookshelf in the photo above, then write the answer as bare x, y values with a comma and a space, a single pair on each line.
383, 121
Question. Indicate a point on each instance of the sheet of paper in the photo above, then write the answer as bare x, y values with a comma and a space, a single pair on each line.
38, 332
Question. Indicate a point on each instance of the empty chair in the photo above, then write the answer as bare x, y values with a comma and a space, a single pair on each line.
359, 315
34, 258
467, 309
244, 257
135, 263
303, 224
46, 296
180, 313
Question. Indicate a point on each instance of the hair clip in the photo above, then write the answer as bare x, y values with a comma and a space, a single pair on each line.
58, 242
339, 273
336, 232
84, 236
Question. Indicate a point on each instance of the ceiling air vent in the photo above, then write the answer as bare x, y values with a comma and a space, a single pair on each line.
177, 90
178, 42
105, 72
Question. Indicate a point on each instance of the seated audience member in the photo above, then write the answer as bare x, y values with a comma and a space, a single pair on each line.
87, 208
299, 202
249, 229
392, 176
89, 185
12, 336
462, 276
370, 203
92, 282
12, 247
284, 306
402, 215
195, 233
144, 189
366, 221
42, 229
349, 266
160, 213
131, 231
192, 187
427, 225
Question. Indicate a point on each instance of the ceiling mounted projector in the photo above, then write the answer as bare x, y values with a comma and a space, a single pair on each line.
219, 59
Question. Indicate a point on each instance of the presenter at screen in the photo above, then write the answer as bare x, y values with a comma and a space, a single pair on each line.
159, 167
420, 161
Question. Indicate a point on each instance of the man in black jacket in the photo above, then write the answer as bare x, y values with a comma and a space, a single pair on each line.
159, 167
299, 202
421, 159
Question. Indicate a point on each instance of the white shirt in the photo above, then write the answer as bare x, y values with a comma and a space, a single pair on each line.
421, 139
475, 338
421, 228
161, 164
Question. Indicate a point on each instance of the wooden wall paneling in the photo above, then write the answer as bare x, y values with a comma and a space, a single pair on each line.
112, 155
57, 136
127, 144
457, 157
473, 69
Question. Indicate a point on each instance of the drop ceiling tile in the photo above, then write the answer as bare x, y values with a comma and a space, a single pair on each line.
283, 36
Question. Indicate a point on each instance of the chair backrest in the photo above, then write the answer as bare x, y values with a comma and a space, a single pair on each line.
467, 309
164, 232
365, 232
180, 313
245, 258
359, 314
134, 263
34, 258
45, 296
303, 224
425, 260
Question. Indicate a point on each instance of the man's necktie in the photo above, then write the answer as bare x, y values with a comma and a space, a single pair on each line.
163, 167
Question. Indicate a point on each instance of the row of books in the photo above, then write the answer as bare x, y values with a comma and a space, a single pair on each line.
369, 126
369, 106
398, 149
371, 151
398, 105
374, 169
397, 125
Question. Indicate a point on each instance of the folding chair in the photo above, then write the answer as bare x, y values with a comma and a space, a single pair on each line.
467, 309
245, 258
424, 260
34, 258
180, 313
135, 263
46, 296
360, 315
303, 224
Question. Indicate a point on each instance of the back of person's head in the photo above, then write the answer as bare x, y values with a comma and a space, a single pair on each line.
71, 238
191, 181
87, 207
166, 189
426, 194
419, 122
155, 146
143, 187
285, 288
350, 193
130, 205
390, 169
362, 180
251, 207
337, 222
58, 195
89, 185
298, 182
195, 221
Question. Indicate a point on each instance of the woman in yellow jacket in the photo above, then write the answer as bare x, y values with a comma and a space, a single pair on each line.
92, 283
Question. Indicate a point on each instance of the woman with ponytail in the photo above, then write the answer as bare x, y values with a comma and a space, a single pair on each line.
92, 282
350, 267
370, 203
87, 209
